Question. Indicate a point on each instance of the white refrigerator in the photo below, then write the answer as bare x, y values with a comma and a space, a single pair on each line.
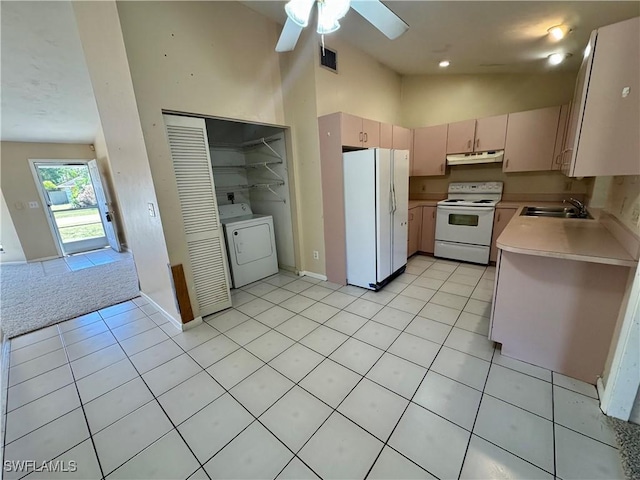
376, 197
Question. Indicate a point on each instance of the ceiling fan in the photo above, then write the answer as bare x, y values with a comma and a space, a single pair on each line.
329, 14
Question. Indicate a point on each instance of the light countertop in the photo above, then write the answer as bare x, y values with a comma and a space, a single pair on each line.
567, 238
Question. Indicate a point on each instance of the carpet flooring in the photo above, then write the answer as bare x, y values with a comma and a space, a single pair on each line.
32, 298
628, 436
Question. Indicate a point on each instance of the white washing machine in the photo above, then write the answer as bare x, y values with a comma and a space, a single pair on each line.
251, 245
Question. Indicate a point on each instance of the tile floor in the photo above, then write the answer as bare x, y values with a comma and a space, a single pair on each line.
303, 379
80, 261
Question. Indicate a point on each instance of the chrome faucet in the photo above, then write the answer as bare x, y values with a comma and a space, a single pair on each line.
582, 209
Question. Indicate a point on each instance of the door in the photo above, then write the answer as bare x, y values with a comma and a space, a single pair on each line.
69, 196
384, 214
415, 220
400, 191
531, 139
428, 234
470, 225
429, 150
196, 191
502, 218
106, 213
490, 133
370, 133
351, 129
461, 136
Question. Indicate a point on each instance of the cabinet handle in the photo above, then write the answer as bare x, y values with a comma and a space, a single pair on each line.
410, 216
506, 165
558, 158
360, 136
478, 143
498, 219
442, 167
469, 144
433, 214
365, 138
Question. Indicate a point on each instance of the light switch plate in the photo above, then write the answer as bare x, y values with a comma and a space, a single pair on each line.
152, 209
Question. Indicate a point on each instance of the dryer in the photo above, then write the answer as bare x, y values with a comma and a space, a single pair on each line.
251, 244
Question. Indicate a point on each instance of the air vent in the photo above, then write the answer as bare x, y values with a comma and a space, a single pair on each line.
329, 59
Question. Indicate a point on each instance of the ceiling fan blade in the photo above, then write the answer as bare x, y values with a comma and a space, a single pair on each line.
378, 15
289, 36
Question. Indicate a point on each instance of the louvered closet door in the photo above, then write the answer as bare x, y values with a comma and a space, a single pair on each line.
205, 238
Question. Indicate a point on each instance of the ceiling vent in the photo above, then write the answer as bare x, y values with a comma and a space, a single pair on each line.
329, 59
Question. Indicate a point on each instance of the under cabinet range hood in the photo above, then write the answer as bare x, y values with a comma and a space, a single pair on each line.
493, 156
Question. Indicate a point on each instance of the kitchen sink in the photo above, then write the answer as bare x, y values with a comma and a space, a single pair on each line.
554, 212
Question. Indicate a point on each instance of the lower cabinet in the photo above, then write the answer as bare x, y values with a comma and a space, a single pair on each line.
428, 231
415, 227
500, 220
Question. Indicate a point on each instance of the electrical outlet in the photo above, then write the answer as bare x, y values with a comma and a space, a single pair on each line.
424, 188
33, 204
152, 209
568, 185
316, 255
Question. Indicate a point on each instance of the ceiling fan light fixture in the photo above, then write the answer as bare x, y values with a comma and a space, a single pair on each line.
298, 11
329, 12
557, 58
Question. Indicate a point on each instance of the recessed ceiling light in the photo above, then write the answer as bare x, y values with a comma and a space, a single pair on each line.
444, 63
557, 58
558, 32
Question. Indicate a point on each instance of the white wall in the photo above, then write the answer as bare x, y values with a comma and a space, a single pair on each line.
124, 146
12, 250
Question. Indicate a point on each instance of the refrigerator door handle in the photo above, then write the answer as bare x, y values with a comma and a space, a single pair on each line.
390, 198
395, 201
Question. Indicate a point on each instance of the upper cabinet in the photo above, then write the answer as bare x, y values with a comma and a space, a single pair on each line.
602, 137
359, 132
401, 138
461, 137
477, 135
429, 150
386, 135
490, 133
531, 140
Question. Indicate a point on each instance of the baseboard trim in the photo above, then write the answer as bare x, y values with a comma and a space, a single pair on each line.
600, 389
43, 259
318, 276
179, 325
20, 262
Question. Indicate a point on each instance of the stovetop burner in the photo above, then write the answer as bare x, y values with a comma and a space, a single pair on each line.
483, 201
454, 200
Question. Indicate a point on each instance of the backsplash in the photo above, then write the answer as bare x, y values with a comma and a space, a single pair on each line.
623, 201
539, 186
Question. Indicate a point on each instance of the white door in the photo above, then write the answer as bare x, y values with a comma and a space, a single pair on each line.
106, 213
384, 213
401, 207
196, 190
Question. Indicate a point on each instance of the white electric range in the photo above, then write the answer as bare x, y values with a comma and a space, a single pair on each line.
464, 221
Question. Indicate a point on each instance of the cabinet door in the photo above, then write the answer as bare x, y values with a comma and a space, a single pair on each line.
500, 221
415, 220
428, 234
352, 132
608, 140
531, 139
371, 133
560, 137
490, 133
401, 138
429, 150
386, 135
577, 108
461, 136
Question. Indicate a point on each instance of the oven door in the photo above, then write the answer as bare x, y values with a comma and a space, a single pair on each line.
472, 225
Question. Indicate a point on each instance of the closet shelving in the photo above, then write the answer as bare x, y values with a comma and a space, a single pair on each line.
278, 182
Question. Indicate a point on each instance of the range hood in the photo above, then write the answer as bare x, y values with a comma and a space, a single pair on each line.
493, 156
